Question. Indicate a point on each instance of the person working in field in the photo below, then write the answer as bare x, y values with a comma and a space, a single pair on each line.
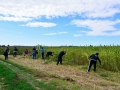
6, 52
34, 53
93, 60
26, 53
49, 54
60, 57
42, 52
15, 52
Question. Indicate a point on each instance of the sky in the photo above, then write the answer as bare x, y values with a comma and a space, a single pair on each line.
59, 22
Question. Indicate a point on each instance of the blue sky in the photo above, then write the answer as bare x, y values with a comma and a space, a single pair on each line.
59, 22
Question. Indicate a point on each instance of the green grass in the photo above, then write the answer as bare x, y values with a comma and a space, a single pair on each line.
48, 81
12, 81
28, 78
108, 75
63, 85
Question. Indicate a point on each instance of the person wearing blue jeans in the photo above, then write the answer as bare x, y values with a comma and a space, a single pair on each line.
33, 55
34, 52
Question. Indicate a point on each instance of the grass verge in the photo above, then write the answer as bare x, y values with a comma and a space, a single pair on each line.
12, 81
50, 82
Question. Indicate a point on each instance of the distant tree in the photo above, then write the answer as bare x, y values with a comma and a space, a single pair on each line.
3, 45
91, 45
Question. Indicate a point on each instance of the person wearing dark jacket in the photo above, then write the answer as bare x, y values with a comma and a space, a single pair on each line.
60, 57
49, 54
15, 52
93, 60
6, 52
34, 52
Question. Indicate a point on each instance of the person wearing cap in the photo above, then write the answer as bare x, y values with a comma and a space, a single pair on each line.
60, 57
93, 60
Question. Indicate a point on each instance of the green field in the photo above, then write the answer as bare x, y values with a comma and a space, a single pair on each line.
78, 55
71, 75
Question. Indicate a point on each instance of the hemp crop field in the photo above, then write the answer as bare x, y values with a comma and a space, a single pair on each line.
46, 75
78, 55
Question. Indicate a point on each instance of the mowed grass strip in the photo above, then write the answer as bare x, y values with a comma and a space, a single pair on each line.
30, 75
25, 77
11, 81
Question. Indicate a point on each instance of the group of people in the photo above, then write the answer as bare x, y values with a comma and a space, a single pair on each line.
93, 58
35, 52
7, 52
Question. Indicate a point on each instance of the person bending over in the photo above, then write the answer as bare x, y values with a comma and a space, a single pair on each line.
93, 60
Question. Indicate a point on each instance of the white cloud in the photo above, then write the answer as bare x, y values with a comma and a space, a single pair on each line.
15, 19
40, 24
77, 35
62, 32
101, 8
56, 33
50, 34
98, 27
54, 8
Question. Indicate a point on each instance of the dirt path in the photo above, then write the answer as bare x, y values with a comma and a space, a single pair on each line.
72, 74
